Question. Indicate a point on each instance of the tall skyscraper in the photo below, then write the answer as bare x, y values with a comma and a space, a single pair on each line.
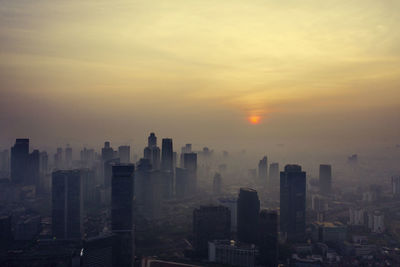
167, 155
248, 212
44, 162
107, 152
33, 168
67, 204
217, 184
396, 186
185, 149
19, 160
274, 174
124, 153
210, 223
293, 203
181, 183
263, 170
190, 164
325, 179
68, 157
152, 152
122, 220
268, 238
58, 159
152, 140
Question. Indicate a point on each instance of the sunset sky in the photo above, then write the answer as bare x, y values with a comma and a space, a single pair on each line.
209, 72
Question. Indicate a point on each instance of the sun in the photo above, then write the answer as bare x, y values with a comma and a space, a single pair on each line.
254, 119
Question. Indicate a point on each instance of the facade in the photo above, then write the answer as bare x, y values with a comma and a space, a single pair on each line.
231, 204
19, 160
99, 251
229, 252
325, 179
268, 238
263, 169
396, 186
190, 164
182, 183
67, 205
210, 223
248, 213
107, 152
293, 203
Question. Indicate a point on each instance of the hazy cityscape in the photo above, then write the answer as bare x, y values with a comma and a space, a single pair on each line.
179, 133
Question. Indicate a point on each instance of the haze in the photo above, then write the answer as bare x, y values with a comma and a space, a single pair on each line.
314, 72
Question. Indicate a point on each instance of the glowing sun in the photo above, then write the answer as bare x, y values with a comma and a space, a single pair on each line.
254, 119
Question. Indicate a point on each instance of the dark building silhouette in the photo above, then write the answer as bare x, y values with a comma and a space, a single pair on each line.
107, 152
4, 163
19, 160
268, 238
68, 157
33, 168
190, 164
263, 170
217, 184
6, 235
100, 251
124, 153
248, 208
58, 159
67, 205
152, 140
167, 155
44, 162
181, 183
293, 203
274, 174
210, 223
122, 220
325, 179
185, 149
152, 152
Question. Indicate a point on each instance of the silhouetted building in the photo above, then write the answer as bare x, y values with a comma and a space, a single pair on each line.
19, 160
4, 163
152, 152
274, 174
67, 205
190, 164
107, 152
44, 162
210, 223
33, 168
396, 186
181, 183
231, 204
100, 251
167, 155
68, 157
58, 159
263, 170
268, 238
122, 220
217, 184
152, 140
293, 203
124, 153
248, 212
325, 179
185, 149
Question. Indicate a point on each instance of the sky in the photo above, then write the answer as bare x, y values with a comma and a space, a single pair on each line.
224, 73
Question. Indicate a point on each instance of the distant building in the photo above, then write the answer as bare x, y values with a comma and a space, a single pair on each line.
67, 205
210, 223
334, 232
152, 152
190, 164
274, 174
68, 157
124, 153
268, 238
167, 155
182, 183
58, 159
396, 186
231, 253
263, 170
217, 184
185, 149
4, 163
122, 220
325, 179
293, 203
376, 222
231, 204
248, 213
19, 160
356, 216
107, 152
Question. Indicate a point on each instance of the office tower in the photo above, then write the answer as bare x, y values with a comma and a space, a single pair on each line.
274, 174
174, 156
87, 157
396, 186
67, 205
107, 152
190, 164
88, 177
124, 153
248, 206
325, 179
68, 157
19, 160
231, 204
181, 183
217, 184
44, 162
152, 152
58, 159
263, 170
268, 238
210, 223
185, 149
293, 203
167, 155
107, 175
33, 168
122, 221
4, 163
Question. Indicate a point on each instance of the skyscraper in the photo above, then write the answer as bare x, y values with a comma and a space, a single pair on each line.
268, 238
293, 203
263, 170
33, 168
325, 179
122, 221
58, 159
217, 184
4, 163
273, 174
152, 152
124, 153
248, 208
181, 182
107, 152
152, 140
190, 164
67, 208
167, 155
68, 157
185, 149
19, 160
210, 223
